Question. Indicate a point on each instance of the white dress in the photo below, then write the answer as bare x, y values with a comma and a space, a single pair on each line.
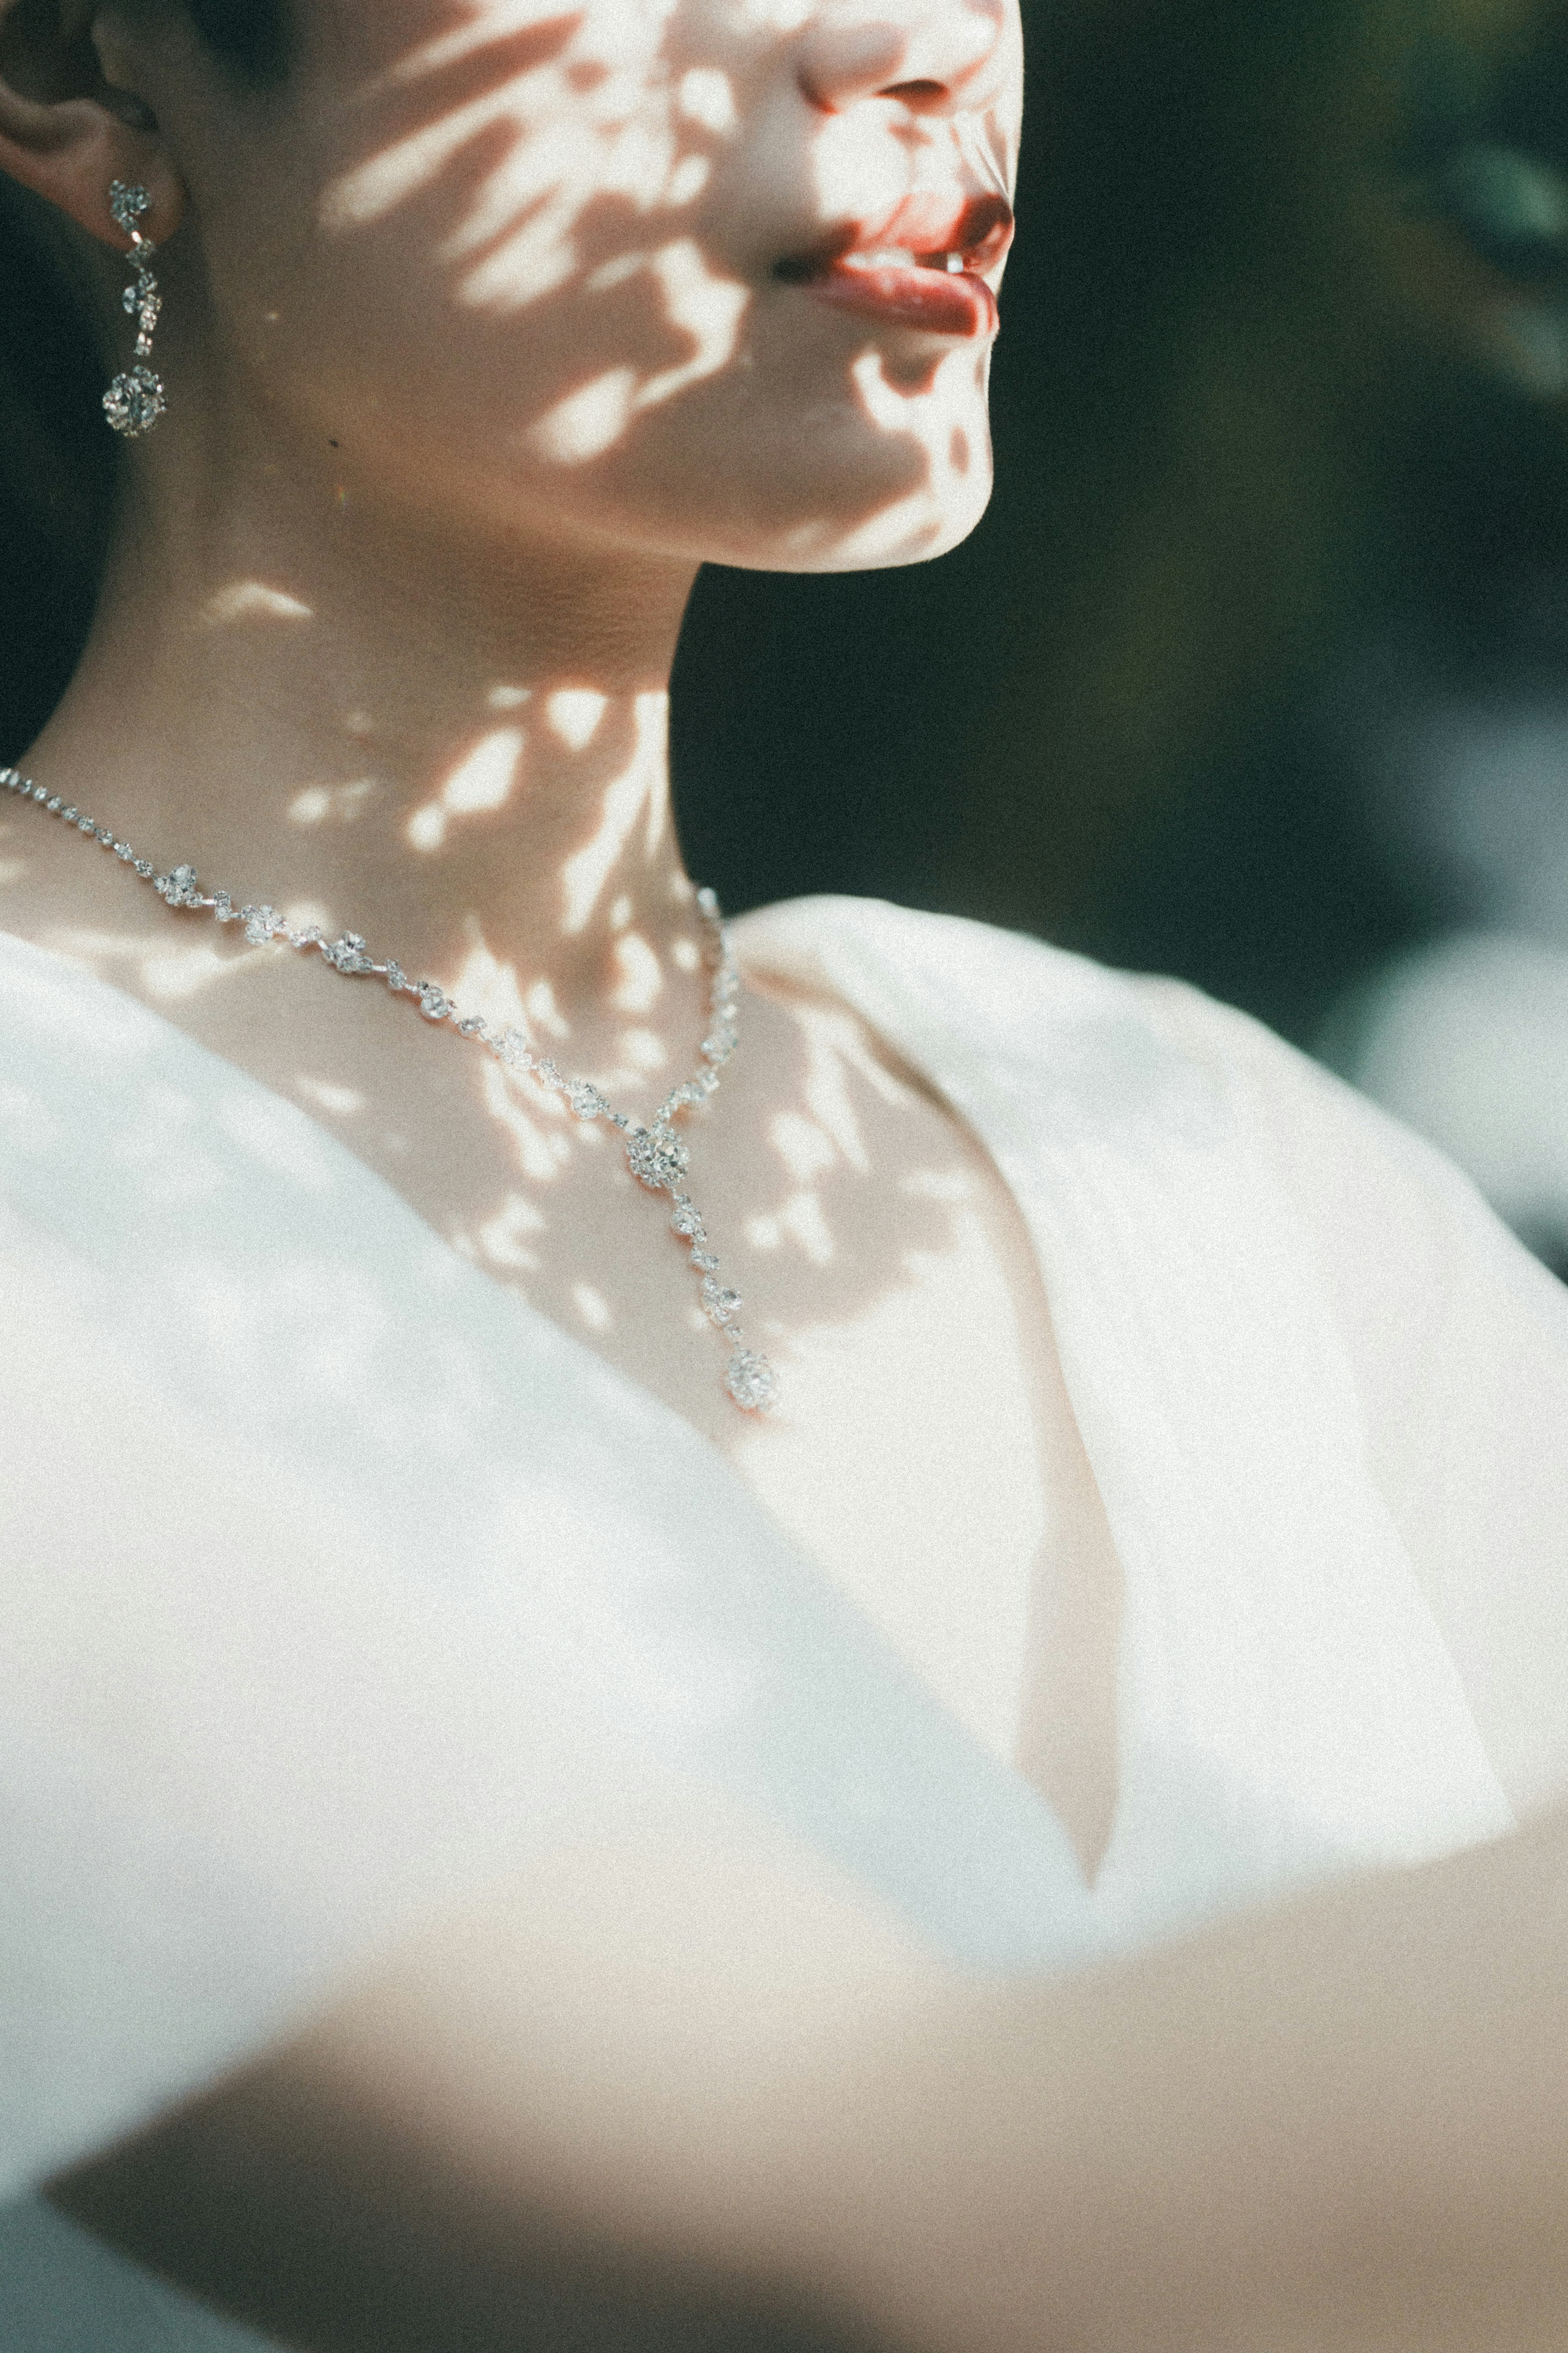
1323, 1393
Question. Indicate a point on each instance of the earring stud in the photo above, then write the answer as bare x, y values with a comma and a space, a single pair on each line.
135, 401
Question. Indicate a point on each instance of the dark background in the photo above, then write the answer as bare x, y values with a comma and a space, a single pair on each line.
1279, 453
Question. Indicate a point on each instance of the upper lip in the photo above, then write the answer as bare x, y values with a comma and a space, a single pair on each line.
928, 226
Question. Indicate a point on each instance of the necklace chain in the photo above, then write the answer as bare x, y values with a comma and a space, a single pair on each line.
657, 1156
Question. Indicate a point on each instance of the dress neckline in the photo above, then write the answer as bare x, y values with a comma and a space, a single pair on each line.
1286, 1706
641, 1404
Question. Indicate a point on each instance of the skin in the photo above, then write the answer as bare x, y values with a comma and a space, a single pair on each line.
382, 643
387, 633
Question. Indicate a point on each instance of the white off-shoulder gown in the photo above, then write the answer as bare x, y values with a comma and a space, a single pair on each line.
1324, 1394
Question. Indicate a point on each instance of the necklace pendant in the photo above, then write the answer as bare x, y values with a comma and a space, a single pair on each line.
656, 1158
751, 1381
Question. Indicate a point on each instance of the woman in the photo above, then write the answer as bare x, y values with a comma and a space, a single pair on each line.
533, 1818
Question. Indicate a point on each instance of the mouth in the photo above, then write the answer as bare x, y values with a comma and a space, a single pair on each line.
922, 265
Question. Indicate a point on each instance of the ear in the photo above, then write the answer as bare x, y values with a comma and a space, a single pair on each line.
67, 132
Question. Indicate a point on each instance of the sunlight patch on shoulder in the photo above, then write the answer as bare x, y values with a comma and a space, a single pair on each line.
503, 1238
806, 1149
591, 1307
171, 975
341, 1101
803, 1220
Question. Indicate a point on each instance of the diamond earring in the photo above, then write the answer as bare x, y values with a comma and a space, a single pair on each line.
135, 401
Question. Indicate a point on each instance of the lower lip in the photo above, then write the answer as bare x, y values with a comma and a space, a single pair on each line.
942, 302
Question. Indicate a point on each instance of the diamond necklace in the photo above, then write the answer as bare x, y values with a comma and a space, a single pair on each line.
656, 1154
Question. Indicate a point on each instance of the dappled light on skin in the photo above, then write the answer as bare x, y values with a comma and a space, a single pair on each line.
169, 971
591, 1307
305, 914
540, 1153
504, 1239
14, 854
547, 318
639, 793
338, 1102
805, 1148
575, 713
645, 1052
794, 1163
641, 982
574, 126
935, 401
579, 125
491, 985
587, 422
485, 780
839, 1057
589, 171
544, 1015
332, 804
803, 1221
703, 306
890, 1532
181, 972
973, 1659
707, 95
849, 170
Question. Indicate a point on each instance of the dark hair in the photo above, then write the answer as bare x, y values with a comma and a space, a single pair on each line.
57, 459
250, 38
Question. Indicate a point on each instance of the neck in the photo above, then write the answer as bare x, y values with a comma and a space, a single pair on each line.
457, 749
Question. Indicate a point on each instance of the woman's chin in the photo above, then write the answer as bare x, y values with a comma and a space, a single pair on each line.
837, 500
870, 525
914, 531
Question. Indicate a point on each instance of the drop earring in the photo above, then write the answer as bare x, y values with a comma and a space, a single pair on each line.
135, 401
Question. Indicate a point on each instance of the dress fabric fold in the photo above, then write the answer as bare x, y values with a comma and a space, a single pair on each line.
527, 1585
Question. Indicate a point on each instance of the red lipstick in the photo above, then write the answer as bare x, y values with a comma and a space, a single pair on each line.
917, 267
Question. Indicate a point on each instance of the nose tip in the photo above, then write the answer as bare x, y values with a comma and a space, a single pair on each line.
929, 53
